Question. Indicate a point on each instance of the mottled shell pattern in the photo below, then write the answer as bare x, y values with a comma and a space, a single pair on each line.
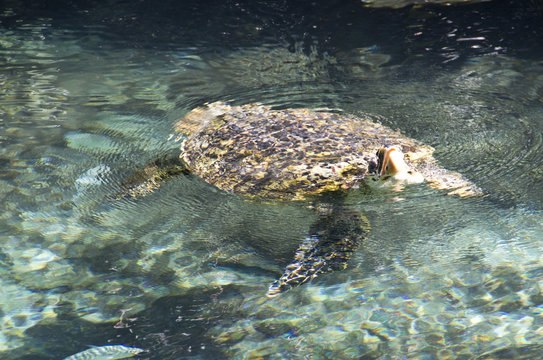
293, 153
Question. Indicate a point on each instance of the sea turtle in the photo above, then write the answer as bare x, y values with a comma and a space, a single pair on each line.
299, 154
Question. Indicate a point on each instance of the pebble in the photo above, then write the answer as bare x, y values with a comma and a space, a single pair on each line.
32, 259
92, 143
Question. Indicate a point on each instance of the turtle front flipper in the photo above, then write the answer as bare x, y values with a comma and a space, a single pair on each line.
148, 179
330, 244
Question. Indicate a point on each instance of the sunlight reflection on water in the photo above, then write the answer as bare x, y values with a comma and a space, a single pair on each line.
187, 267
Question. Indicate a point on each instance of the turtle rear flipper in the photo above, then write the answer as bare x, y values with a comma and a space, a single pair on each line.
148, 179
331, 243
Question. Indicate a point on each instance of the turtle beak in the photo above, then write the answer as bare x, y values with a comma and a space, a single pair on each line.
390, 161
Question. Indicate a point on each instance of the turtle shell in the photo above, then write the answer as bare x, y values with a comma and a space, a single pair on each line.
287, 154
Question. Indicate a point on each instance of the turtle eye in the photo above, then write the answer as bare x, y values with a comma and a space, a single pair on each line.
380, 158
382, 164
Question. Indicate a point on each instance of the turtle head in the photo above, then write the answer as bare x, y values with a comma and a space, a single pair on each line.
391, 165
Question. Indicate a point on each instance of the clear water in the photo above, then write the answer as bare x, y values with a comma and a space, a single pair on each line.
88, 93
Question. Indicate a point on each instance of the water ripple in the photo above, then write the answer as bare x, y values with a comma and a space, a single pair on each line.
82, 108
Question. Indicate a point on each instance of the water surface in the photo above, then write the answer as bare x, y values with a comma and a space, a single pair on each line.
88, 94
